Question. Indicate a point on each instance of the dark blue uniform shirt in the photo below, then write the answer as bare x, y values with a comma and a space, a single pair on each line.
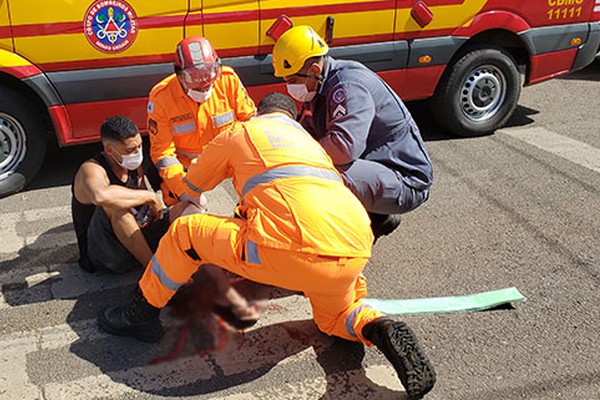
355, 114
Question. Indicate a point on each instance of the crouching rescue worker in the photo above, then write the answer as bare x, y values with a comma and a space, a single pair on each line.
300, 229
189, 108
119, 220
361, 123
185, 111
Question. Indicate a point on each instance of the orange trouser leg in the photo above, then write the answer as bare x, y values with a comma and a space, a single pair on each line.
334, 287
347, 324
212, 239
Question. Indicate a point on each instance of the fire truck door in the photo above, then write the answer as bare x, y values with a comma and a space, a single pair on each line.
232, 29
361, 31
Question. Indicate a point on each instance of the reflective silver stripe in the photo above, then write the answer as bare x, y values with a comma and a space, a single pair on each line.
186, 154
167, 162
191, 186
184, 128
351, 317
162, 276
288, 172
284, 120
223, 119
252, 253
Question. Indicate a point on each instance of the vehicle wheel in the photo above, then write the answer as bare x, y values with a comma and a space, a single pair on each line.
478, 93
22, 141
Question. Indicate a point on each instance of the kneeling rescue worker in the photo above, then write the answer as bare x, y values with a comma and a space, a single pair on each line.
300, 229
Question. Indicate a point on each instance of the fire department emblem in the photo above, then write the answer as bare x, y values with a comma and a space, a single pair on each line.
110, 26
339, 95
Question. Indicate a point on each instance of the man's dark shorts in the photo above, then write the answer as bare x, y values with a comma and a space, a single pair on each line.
106, 251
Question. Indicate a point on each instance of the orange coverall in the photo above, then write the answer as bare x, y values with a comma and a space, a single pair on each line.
301, 228
179, 128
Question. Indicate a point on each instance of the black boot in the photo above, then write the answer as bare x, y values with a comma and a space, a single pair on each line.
137, 319
400, 346
383, 224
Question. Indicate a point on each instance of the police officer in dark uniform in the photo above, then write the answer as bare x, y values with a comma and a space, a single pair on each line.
362, 124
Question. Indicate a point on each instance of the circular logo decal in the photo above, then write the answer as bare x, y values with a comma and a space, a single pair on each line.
339, 95
110, 25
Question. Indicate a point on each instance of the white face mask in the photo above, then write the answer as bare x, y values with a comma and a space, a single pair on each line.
198, 96
131, 162
299, 92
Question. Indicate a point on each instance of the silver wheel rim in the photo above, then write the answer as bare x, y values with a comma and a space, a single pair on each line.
13, 145
483, 93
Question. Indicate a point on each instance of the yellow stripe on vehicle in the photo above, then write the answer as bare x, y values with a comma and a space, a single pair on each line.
43, 49
346, 25
71, 10
10, 60
444, 17
221, 37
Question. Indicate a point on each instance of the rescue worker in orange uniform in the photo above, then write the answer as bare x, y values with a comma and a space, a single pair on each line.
301, 229
185, 111
189, 108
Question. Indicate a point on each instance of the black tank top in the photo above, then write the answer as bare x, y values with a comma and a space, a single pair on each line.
82, 213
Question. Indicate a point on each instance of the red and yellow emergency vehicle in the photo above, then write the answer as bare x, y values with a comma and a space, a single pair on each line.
67, 65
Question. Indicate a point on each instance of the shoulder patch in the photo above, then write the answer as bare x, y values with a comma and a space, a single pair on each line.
152, 126
150, 107
339, 96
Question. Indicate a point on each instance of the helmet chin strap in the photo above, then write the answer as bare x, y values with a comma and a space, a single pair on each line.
317, 77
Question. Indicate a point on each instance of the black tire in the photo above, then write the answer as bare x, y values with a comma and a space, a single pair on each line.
23, 141
478, 92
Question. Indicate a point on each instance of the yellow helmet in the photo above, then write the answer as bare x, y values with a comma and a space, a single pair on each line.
294, 47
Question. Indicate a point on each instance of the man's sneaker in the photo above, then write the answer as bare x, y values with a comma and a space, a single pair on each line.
138, 319
400, 346
382, 224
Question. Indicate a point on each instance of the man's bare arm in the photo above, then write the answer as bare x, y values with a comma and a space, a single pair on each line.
93, 187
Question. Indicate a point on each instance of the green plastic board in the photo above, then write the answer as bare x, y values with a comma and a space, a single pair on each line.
431, 305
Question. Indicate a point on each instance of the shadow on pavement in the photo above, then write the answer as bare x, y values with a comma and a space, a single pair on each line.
589, 73
47, 270
210, 357
29, 277
521, 117
61, 164
431, 131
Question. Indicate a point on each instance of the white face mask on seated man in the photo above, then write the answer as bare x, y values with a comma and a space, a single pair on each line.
130, 162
